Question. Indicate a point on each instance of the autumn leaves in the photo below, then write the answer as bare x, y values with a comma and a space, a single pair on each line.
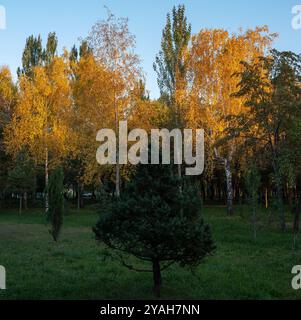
61, 101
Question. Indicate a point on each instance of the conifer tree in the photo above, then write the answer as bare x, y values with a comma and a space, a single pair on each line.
56, 202
155, 222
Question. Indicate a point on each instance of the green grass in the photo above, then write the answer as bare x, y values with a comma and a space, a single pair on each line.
241, 268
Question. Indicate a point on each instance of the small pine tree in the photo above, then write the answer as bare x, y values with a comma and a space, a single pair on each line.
156, 222
56, 202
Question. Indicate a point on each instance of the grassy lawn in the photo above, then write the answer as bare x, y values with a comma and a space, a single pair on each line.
241, 268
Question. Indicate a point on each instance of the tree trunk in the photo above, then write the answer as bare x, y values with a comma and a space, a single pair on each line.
227, 167
229, 187
266, 198
297, 214
20, 204
157, 278
25, 200
278, 178
117, 183
78, 197
180, 177
281, 207
117, 191
254, 223
46, 181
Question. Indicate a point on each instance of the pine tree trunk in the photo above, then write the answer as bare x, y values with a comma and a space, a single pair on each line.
157, 278
229, 187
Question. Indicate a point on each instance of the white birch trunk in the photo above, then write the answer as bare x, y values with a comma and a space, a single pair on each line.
229, 185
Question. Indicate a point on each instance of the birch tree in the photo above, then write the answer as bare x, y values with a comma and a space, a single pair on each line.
114, 47
215, 57
40, 119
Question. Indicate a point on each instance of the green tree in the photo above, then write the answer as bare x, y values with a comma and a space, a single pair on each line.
21, 178
35, 56
51, 48
56, 202
32, 55
171, 64
272, 87
85, 49
73, 54
155, 222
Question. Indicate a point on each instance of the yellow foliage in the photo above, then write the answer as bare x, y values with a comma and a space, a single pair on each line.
215, 58
40, 119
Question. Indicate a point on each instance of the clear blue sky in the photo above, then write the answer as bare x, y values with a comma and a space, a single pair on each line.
72, 19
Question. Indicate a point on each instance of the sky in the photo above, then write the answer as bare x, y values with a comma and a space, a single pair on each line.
72, 19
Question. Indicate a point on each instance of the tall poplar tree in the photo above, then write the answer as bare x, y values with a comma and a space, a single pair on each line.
32, 56
171, 64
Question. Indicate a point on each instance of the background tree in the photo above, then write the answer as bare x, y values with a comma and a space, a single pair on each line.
56, 202
8, 97
32, 55
51, 48
292, 169
113, 46
171, 64
252, 186
92, 91
215, 56
21, 178
272, 85
41, 120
